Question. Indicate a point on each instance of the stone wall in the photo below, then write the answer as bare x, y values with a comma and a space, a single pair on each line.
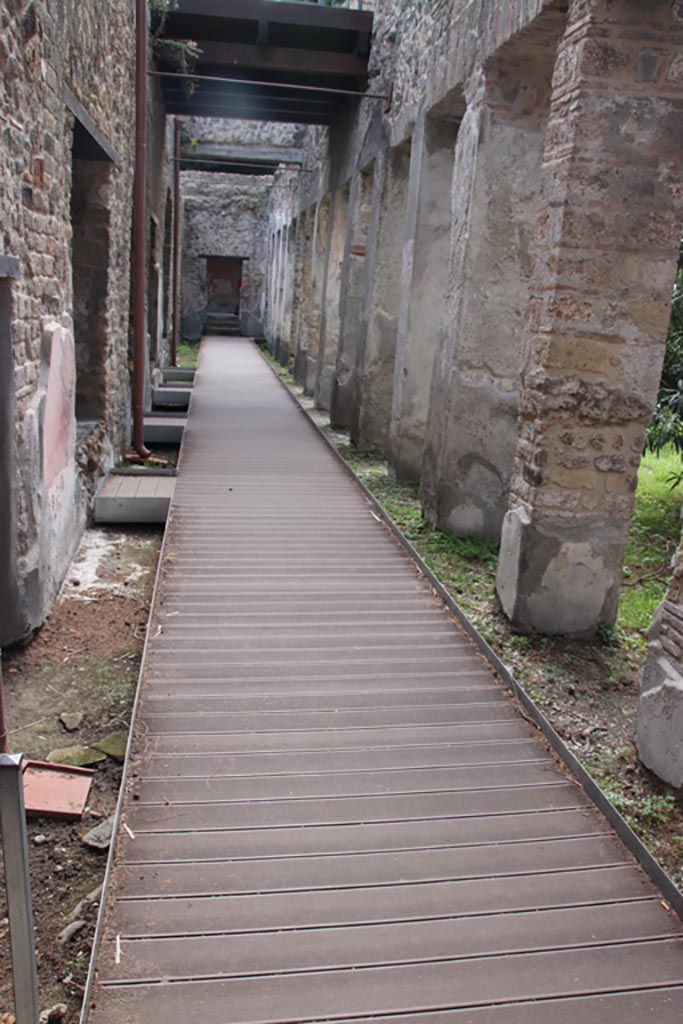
67, 122
46, 48
224, 215
250, 133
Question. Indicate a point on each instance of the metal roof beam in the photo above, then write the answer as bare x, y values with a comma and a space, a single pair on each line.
311, 15
229, 152
281, 58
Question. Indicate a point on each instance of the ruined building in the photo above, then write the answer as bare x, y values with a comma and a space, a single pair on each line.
466, 255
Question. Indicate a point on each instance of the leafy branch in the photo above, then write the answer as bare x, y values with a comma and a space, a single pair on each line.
180, 54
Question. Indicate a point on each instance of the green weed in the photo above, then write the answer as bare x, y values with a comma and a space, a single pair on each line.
187, 355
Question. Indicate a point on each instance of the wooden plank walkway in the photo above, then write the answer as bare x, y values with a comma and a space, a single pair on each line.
333, 810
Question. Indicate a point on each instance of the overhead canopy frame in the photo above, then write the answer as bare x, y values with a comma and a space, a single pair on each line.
261, 46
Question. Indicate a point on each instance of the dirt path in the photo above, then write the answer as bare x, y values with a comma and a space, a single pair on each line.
83, 662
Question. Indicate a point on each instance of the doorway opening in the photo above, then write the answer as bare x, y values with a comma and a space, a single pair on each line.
223, 294
90, 256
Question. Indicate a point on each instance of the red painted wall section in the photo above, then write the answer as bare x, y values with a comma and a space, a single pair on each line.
59, 424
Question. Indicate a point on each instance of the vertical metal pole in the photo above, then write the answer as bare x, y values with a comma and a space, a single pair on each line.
4, 742
177, 203
15, 849
140, 228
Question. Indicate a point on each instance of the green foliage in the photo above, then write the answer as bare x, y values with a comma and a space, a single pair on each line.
643, 811
471, 549
180, 55
188, 354
666, 427
607, 632
654, 535
283, 372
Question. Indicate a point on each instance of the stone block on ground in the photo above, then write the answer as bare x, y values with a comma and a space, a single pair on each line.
114, 745
99, 838
659, 730
77, 757
71, 720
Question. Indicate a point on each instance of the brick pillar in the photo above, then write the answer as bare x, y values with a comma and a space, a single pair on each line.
482, 348
598, 317
659, 730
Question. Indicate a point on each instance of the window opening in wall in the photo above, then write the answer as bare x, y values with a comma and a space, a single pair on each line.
90, 256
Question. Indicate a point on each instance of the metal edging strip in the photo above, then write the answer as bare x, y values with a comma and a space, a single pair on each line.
650, 865
90, 981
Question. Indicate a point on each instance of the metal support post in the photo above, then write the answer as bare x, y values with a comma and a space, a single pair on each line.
17, 881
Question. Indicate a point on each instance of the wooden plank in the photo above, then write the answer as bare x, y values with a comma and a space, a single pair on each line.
335, 995
345, 784
382, 944
451, 819
282, 874
368, 905
333, 761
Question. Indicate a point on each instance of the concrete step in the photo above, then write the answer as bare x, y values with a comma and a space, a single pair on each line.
174, 374
222, 323
142, 496
171, 395
164, 429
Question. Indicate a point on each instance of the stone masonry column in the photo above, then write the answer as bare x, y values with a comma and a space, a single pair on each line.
598, 317
659, 728
423, 281
331, 298
482, 347
374, 370
304, 292
287, 305
313, 318
352, 294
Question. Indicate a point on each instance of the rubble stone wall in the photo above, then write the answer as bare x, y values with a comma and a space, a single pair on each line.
224, 215
46, 48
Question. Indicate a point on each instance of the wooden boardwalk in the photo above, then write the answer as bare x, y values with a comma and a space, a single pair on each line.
333, 810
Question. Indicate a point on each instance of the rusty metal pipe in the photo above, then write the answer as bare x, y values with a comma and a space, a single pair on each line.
139, 227
176, 242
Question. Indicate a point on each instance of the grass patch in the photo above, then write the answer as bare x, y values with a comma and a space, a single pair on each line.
654, 536
187, 355
283, 372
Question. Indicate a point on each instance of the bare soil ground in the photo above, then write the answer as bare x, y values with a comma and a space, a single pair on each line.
85, 659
